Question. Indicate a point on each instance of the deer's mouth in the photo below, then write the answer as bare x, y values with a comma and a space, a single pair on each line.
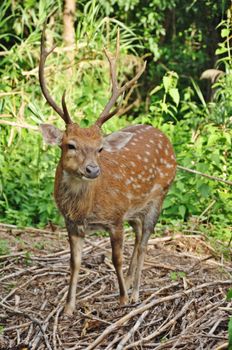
85, 178
90, 177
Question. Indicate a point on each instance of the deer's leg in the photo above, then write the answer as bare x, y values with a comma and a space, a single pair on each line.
149, 223
116, 239
76, 245
137, 227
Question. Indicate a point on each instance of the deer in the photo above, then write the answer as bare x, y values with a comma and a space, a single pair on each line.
101, 181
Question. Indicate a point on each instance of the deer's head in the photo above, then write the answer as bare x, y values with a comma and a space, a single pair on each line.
81, 147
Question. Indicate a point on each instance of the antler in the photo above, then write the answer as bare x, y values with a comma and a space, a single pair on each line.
43, 56
116, 91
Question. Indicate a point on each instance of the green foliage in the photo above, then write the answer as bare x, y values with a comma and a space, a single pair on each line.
230, 333
1, 329
201, 143
27, 259
4, 247
172, 33
175, 276
229, 295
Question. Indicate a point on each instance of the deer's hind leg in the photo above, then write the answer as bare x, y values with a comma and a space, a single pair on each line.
149, 222
116, 238
137, 227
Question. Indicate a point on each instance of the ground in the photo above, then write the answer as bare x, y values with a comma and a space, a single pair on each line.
183, 295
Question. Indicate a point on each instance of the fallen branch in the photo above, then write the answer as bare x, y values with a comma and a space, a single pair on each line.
163, 328
112, 328
132, 330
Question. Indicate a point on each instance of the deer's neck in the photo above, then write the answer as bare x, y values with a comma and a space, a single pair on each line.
74, 196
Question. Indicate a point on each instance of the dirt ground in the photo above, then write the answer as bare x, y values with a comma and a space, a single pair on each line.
183, 295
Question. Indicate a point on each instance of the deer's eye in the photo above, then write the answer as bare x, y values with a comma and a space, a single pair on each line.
71, 146
100, 149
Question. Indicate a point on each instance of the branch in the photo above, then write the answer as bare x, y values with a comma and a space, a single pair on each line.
25, 126
112, 328
219, 179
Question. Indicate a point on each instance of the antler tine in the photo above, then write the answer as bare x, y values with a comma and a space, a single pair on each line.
67, 117
116, 91
43, 56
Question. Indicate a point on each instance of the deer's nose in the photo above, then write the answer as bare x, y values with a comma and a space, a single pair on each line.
92, 171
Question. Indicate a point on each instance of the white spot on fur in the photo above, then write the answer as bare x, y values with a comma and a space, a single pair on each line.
169, 165
117, 176
136, 187
133, 164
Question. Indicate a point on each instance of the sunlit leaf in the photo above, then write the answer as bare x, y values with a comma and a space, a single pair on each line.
174, 93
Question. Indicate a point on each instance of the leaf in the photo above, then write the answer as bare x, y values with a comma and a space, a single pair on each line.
225, 32
199, 94
228, 139
215, 157
180, 185
212, 139
182, 210
174, 93
173, 276
229, 295
230, 333
182, 274
167, 81
155, 90
220, 51
167, 203
164, 107
204, 190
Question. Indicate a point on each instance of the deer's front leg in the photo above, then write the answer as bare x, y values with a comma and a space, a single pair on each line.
76, 241
116, 239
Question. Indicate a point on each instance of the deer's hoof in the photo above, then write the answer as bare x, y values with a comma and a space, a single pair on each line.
68, 310
124, 300
134, 296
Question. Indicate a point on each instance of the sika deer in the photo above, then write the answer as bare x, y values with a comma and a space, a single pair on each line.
102, 181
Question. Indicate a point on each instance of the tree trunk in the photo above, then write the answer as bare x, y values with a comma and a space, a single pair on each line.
69, 30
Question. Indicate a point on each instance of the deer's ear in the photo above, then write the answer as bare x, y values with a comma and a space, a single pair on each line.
116, 141
51, 134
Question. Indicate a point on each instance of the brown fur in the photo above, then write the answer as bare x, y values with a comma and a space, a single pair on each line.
131, 186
